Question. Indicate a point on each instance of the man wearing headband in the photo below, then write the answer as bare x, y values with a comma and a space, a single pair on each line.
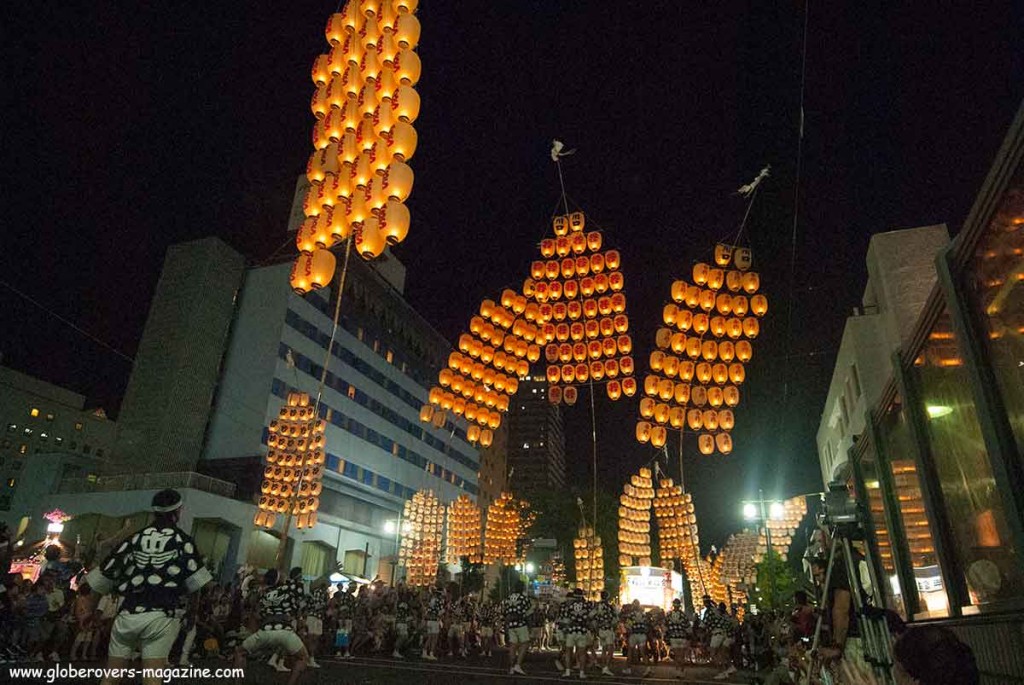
152, 570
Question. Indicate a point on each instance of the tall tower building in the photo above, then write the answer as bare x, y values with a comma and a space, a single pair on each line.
536, 440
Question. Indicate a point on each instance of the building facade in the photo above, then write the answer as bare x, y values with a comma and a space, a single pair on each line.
939, 466
47, 434
536, 440
253, 341
901, 273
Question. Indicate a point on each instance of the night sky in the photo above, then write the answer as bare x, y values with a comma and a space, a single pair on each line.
127, 129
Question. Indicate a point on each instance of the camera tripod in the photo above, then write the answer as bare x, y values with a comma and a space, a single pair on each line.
874, 631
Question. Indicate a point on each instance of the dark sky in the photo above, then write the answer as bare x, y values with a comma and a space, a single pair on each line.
128, 127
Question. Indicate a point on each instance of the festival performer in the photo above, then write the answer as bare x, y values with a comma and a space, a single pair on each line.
345, 605
677, 629
576, 613
637, 623
279, 610
151, 570
516, 609
485, 621
432, 612
605, 619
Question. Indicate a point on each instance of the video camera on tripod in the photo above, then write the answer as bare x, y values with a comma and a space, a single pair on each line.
844, 521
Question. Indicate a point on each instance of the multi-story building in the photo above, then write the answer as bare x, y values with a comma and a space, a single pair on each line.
937, 468
536, 440
223, 346
47, 433
901, 273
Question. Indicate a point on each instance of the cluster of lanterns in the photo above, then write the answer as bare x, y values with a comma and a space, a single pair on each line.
506, 526
734, 570
292, 478
589, 556
673, 510
701, 352
578, 304
483, 374
420, 550
782, 527
635, 520
365, 105
464, 531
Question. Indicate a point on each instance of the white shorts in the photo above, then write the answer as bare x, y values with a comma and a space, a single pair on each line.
606, 638
433, 627
283, 640
519, 636
678, 643
719, 640
314, 626
151, 633
577, 640
637, 640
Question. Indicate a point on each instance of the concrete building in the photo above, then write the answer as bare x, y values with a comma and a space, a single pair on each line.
223, 346
901, 274
536, 440
47, 434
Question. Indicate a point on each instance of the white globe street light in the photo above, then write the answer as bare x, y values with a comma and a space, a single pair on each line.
776, 511
530, 568
750, 511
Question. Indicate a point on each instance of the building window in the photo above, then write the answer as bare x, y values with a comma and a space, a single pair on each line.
11, 482
44, 436
23, 449
27, 431
390, 356
351, 392
59, 440
359, 333
11, 427
855, 381
34, 412
78, 426
49, 417
367, 477
86, 449
995, 290
973, 505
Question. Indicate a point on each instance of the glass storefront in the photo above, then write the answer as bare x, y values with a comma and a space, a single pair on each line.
898, 443
874, 503
994, 281
974, 507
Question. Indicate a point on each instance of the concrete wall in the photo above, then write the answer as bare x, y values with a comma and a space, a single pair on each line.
901, 273
167, 403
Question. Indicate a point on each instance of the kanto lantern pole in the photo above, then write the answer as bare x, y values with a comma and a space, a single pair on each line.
280, 561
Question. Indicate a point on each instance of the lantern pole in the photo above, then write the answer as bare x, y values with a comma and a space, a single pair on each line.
280, 561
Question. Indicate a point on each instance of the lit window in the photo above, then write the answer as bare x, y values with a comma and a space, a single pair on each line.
359, 332
49, 417
376, 345
78, 426
91, 478
44, 436
11, 482
526, 445
11, 427
34, 412
390, 356
23, 449
28, 431
351, 392
59, 440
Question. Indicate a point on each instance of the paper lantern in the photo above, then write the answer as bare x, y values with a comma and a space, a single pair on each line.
658, 436
724, 443
700, 273
706, 443
614, 388
751, 282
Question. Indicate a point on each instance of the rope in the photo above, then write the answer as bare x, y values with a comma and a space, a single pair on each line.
796, 209
319, 394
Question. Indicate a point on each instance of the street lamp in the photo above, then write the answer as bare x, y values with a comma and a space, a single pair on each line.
762, 510
530, 568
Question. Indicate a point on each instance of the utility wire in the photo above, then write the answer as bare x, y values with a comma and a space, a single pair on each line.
65, 321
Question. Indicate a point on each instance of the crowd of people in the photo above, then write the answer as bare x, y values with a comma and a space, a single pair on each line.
152, 598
